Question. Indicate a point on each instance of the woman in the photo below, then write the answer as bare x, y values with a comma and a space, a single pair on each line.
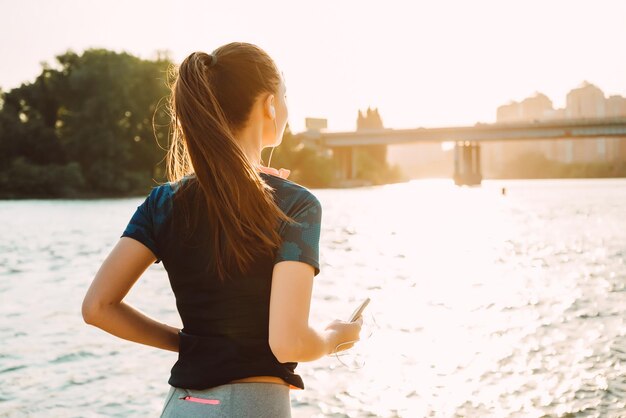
239, 242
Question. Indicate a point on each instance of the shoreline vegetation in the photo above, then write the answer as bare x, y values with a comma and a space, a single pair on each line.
96, 125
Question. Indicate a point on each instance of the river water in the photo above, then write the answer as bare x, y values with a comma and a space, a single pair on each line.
482, 304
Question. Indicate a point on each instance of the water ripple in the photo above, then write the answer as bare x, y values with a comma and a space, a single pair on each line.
485, 305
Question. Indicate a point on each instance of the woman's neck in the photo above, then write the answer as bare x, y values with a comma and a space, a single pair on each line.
250, 141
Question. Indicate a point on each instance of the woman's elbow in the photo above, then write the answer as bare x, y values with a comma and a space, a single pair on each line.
283, 351
89, 310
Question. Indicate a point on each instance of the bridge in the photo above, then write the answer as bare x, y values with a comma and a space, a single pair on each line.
467, 140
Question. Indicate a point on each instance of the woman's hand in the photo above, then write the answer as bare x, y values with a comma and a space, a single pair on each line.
282, 173
342, 332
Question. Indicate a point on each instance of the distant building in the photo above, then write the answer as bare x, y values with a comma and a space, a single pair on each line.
588, 101
364, 154
585, 101
554, 114
370, 120
511, 112
615, 106
535, 107
497, 155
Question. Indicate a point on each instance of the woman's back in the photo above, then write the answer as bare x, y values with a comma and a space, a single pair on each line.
227, 216
225, 324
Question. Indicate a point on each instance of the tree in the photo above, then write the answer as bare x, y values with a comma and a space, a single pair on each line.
89, 121
308, 166
106, 123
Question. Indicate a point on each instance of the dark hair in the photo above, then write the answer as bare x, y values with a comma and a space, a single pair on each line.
209, 105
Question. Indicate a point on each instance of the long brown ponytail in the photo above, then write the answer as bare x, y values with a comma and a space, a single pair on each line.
208, 105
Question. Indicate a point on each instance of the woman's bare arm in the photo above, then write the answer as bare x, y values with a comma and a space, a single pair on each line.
103, 304
290, 336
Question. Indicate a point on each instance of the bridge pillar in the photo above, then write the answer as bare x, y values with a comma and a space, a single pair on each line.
467, 164
352, 163
344, 160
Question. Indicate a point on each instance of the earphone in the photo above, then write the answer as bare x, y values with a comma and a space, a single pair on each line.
273, 112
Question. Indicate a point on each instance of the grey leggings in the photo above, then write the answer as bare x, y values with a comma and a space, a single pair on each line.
243, 399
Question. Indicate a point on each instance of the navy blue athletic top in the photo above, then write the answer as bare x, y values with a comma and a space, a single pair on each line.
225, 325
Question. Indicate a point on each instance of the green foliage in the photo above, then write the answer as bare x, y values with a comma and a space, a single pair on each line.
87, 122
25, 179
96, 124
374, 170
309, 166
316, 168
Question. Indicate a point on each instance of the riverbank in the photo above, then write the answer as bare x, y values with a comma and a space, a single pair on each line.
345, 184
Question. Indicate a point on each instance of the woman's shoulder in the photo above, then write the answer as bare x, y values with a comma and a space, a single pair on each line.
160, 200
160, 193
165, 191
289, 190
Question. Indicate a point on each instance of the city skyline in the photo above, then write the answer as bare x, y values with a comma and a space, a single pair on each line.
406, 59
589, 99
586, 100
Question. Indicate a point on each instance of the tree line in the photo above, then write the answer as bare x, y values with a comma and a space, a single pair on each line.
96, 124
89, 126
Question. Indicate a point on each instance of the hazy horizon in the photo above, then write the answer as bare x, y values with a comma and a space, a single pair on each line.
429, 64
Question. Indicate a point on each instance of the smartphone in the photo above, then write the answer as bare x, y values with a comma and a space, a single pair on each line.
358, 311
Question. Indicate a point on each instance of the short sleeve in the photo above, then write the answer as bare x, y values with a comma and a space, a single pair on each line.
141, 226
300, 242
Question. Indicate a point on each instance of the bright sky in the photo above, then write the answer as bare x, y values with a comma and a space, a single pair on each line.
422, 63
